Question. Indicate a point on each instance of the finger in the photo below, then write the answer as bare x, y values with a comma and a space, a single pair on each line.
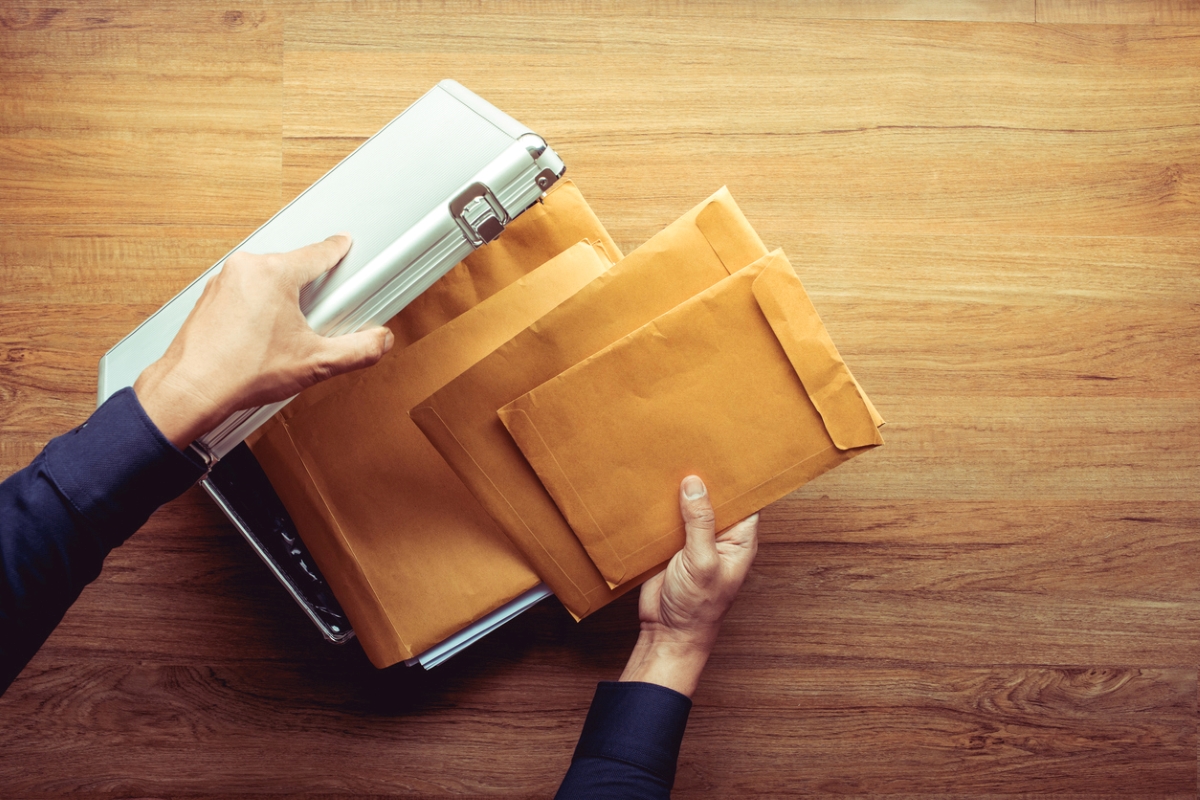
742, 533
310, 262
699, 522
352, 351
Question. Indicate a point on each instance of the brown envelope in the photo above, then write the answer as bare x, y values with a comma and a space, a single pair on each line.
693, 253
473, 569
741, 385
408, 551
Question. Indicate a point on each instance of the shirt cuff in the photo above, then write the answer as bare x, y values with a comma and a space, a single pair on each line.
641, 724
118, 467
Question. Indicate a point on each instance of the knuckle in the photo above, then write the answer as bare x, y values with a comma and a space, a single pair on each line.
244, 262
242, 268
703, 515
274, 265
376, 349
320, 370
703, 565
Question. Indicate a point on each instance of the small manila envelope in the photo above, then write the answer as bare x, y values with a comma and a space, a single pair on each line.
695, 252
740, 385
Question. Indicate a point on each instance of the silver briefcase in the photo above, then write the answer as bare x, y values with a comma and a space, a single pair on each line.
444, 177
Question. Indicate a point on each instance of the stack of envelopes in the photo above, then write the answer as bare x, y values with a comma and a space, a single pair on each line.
542, 404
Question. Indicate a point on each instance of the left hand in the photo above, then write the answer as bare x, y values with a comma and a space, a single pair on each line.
247, 344
681, 608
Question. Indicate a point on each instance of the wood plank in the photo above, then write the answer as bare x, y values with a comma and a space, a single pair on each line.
954, 730
477, 17
117, 265
961, 731
211, 179
833, 76
195, 20
139, 70
1084, 549
1021, 448
930, 182
1127, 12
960, 10
878, 126
922, 581
107, 111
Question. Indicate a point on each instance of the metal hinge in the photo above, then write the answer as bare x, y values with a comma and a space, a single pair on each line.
205, 454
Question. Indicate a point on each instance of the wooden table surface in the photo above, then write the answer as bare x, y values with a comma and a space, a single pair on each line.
993, 204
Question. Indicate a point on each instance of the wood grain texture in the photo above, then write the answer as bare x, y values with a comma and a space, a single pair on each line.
998, 221
1126, 12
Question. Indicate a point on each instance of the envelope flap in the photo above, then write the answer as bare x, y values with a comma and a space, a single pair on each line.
813, 356
728, 232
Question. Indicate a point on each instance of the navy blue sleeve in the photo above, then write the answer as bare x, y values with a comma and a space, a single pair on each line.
630, 743
83, 495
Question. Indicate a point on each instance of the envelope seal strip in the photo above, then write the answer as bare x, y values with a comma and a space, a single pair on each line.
815, 358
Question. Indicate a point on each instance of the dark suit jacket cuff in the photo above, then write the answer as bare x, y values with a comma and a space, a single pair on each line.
641, 724
117, 468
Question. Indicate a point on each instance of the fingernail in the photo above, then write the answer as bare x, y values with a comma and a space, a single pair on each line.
343, 233
693, 488
389, 339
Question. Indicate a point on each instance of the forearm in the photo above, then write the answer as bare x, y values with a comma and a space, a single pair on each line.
667, 660
83, 495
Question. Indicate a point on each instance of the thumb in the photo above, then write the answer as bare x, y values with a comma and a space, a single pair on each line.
699, 521
352, 351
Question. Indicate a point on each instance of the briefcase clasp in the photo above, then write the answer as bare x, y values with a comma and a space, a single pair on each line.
479, 214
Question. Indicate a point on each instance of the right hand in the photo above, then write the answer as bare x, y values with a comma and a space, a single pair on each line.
681, 608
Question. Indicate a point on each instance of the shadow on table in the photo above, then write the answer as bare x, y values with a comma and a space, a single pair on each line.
542, 646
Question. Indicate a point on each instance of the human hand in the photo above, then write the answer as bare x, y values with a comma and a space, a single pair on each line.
247, 344
681, 608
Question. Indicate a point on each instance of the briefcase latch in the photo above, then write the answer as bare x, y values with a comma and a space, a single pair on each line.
479, 214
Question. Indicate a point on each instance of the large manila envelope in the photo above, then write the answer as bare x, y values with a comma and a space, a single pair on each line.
700, 249
408, 551
393, 624
740, 385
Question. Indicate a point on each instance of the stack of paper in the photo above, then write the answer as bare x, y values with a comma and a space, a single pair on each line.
558, 393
